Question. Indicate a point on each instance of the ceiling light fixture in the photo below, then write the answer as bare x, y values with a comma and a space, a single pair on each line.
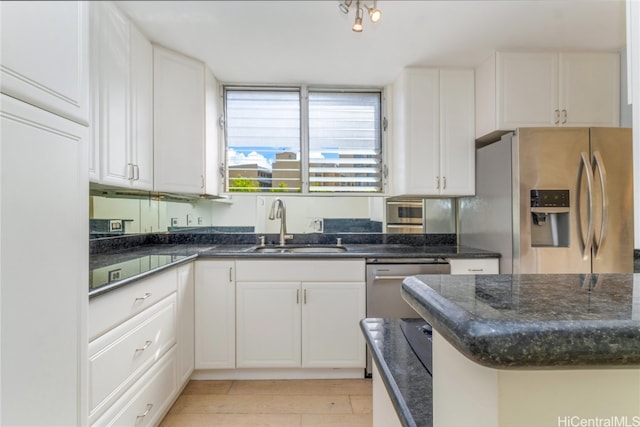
375, 14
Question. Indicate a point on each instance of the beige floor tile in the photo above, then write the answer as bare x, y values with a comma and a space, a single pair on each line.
177, 405
231, 420
362, 404
303, 387
354, 420
261, 404
207, 387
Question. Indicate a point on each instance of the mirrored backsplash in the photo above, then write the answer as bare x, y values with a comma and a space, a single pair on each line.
118, 216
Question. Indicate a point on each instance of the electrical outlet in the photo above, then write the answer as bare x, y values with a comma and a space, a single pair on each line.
316, 225
189, 219
174, 222
114, 275
200, 220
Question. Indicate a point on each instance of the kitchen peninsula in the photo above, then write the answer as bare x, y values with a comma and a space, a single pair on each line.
523, 350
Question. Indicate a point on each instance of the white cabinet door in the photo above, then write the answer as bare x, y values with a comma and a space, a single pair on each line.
179, 122
123, 106
113, 94
433, 150
527, 91
212, 153
44, 309
331, 336
215, 325
457, 144
45, 55
590, 89
141, 155
268, 325
536, 89
185, 323
416, 148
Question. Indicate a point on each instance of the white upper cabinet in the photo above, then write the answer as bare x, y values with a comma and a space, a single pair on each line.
141, 130
184, 124
589, 89
519, 89
45, 56
122, 90
457, 145
433, 145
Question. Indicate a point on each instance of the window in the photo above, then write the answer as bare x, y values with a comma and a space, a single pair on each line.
280, 140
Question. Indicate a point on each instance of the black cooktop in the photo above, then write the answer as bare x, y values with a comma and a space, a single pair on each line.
419, 335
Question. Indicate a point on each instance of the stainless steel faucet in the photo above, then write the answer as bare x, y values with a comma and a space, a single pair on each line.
279, 210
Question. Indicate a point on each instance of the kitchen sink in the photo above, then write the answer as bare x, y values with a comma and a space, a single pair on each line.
298, 249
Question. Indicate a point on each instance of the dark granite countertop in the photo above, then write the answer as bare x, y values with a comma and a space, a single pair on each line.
407, 381
534, 321
154, 258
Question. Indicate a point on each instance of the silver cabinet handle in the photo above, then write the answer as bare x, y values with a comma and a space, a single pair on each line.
389, 277
136, 172
475, 270
230, 274
146, 345
556, 116
297, 296
144, 297
146, 412
437, 182
589, 173
130, 171
564, 116
444, 182
305, 296
603, 185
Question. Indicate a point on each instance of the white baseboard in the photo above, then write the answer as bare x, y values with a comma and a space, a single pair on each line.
276, 374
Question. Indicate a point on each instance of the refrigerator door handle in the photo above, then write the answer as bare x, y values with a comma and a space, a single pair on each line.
590, 232
603, 185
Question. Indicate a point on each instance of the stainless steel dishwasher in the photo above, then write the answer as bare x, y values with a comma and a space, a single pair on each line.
384, 281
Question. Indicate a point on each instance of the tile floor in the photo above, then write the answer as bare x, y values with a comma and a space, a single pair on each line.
280, 403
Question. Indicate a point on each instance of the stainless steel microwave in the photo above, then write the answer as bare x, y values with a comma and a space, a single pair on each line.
405, 217
405, 212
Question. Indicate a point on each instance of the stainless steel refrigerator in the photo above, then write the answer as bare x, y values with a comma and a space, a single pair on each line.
554, 200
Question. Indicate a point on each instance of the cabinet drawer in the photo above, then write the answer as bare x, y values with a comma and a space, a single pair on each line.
474, 266
148, 400
269, 270
109, 310
120, 356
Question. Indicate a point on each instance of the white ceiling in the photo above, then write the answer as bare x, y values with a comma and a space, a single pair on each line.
306, 41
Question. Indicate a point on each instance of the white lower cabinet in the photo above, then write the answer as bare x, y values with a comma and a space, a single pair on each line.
215, 302
474, 265
268, 327
185, 322
146, 403
331, 313
295, 313
141, 348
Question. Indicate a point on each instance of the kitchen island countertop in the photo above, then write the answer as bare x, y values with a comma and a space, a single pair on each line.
534, 321
532, 350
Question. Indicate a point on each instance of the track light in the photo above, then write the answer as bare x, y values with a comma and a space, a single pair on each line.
357, 25
344, 6
375, 14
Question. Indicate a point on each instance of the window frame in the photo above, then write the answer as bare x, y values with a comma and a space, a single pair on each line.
304, 138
